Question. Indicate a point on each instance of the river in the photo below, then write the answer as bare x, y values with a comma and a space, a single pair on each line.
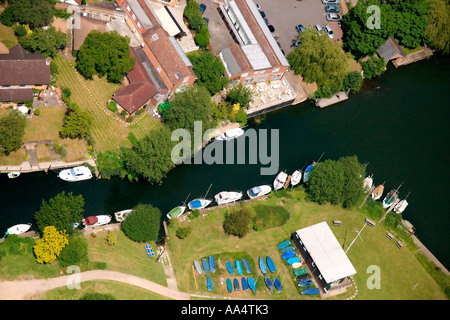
398, 124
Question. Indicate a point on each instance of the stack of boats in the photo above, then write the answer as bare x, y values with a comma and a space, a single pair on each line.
276, 283
391, 198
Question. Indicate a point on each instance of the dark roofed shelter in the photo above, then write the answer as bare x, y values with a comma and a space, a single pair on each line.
390, 50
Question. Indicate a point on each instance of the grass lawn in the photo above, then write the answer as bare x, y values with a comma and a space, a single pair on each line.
7, 36
402, 275
92, 96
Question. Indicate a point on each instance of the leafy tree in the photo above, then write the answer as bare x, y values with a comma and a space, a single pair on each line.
354, 174
77, 124
437, 31
105, 54
7, 17
151, 157
61, 212
202, 37
239, 94
373, 67
237, 221
319, 59
209, 71
35, 13
75, 252
48, 248
143, 223
193, 15
109, 164
352, 81
47, 42
20, 31
12, 130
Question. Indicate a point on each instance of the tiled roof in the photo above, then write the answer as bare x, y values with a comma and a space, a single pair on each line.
16, 94
134, 95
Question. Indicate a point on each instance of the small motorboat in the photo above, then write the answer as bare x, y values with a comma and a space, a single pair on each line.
18, 229
176, 212
296, 177
121, 215
94, 221
378, 192
230, 134
75, 174
401, 206
198, 204
13, 175
280, 180
367, 183
227, 197
258, 191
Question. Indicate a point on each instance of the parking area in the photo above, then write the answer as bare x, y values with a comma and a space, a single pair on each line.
284, 15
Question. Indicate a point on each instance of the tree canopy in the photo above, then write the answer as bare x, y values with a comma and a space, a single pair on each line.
48, 248
77, 123
12, 130
47, 42
143, 223
437, 31
35, 13
209, 70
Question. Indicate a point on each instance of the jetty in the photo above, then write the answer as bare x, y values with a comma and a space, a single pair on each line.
338, 97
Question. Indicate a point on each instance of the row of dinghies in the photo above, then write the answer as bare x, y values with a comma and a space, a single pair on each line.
391, 198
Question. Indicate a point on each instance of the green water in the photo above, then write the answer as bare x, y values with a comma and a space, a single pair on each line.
398, 124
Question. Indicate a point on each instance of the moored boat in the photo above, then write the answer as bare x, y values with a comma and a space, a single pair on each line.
367, 183
230, 134
13, 175
18, 229
378, 192
176, 212
391, 197
308, 171
75, 174
258, 191
280, 180
296, 177
93, 221
121, 215
225, 197
401, 206
198, 204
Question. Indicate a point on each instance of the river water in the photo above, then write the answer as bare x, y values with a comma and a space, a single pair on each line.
398, 124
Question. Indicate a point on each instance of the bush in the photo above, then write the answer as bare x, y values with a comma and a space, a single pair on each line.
75, 252
194, 214
202, 37
112, 105
143, 223
373, 67
37, 112
269, 217
111, 238
20, 31
183, 232
237, 221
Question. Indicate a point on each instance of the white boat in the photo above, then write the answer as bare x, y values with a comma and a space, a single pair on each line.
280, 180
390, 197
121, 215
198, 204
296, 177
76, 174
93, 221
378, 192
227, 197
258, 191
367, 183
13, 175
175, 212
401, 206
18, 229
230, 134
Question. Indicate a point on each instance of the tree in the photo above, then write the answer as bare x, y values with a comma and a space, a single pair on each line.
373, 67
143, 223
437, 31
193, 15
75, 252
239, 94
209, 71
12, 130
151, 157
237, 221
354, 174
61, 212
202, 37
77, 124
319, 59
105, 54
35, 13
7, 17
352, 81
48, 248
47, 42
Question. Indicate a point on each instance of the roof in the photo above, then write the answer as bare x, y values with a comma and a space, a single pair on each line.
21, 68
16, 94
86, 26
230, 62
327, 253
390, 50
168, 22
143, 13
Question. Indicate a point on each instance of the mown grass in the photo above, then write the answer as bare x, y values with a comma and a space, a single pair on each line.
7, 36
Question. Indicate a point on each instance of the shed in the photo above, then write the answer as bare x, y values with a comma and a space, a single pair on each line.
390, 50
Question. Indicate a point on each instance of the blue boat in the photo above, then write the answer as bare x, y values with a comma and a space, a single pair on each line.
270, 264
239, 267
268, 283
251, 283
284, 244
205, 265
287, 249
247, 266
308, 171
212, 264
293, 260
209, 284
244, 283
229, 285
236, 284
305, 283
277, 284
262, 266
287, 255
230, 268
311, 291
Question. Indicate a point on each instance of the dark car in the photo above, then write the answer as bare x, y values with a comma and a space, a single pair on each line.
202, 8
206, 20
332, 9
266, 21
271, 28
263, 14
300, 28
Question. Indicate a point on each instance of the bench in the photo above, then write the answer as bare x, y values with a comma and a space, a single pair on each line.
389, 236
370, 222
337, 222
399, 244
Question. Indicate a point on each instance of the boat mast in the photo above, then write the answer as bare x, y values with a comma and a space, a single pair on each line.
321, 156
208, 190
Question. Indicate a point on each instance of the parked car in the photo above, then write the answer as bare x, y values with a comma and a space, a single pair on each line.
332, 9
202, 8
334, 17
329, 31
334, 2
297, 43
271, 28
266, 21
263, 14
318, 27
206, 20
258, 6
300, 28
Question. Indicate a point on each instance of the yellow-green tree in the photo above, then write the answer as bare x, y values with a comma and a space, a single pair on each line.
48, 248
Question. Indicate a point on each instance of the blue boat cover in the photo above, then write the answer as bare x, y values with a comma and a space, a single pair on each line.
247, 266
205, 265
230, 267
284, 244
251, 283
236, 284
212, 264
270, 264
293, 260
277, 284
262, 266
209, 284
311, 291
287, 255
195, 204
229, 285
239, 267
244, 283
305, 283
269, 283
287, 249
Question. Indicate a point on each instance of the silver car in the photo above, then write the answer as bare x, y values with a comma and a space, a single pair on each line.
333, 2
329, 31
318, 27
334, 17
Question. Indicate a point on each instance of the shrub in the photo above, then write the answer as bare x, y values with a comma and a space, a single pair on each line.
183, 232
373, 67
75, 252
237, 221
143, 223
269, 217
194, 214
37, 112
111, 238
202, 37
112, 105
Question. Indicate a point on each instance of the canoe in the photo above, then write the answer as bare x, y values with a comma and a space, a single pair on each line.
244, 283
288, 255
212, 264
229, 285
277, 284
198, 267
230, 268
236, 284
293, 260
284, 244
209, 284
205, 265
176, 212
262, 266
268, 283
251, 283
305, 283
311, 291
247, 266
270, 264
296, 265
299, 272
287, 249
239, 267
